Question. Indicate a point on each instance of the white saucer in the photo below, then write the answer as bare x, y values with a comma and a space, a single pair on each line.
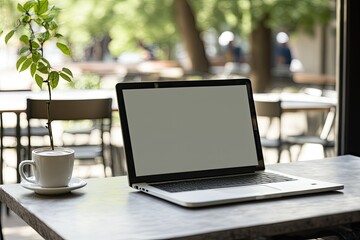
75, 183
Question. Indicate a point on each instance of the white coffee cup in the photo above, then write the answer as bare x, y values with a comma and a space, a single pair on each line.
52, 168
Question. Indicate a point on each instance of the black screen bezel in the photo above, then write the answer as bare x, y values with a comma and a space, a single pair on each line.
120, 87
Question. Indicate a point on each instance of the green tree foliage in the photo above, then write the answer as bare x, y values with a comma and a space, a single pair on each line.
123, 21
241, 16
114, 25
86, 21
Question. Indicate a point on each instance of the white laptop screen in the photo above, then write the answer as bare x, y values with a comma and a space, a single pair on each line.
175, 130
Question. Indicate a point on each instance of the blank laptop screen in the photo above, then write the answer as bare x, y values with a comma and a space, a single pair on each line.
183, 129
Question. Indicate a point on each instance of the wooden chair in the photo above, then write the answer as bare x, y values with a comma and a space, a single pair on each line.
322, 139
98, 111
1, 232
9, 132
271, 109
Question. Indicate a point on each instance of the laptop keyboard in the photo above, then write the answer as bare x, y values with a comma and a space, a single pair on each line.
223, 182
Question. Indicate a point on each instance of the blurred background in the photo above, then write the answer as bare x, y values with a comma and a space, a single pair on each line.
188, 39
283, 46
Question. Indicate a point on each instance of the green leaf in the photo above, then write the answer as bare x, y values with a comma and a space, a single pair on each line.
25, 19
39, 80
28, 5
26, 64
67, 71
24, 50
38, 21
42, 7
24, 39
20, 8
58, 35
33, 69
36, 56
35, 44
45, 36
54, 79
65, 77
64, 49
50, 17
46, 62
9, 35
20, 61
42, 68
53, 25
52, 8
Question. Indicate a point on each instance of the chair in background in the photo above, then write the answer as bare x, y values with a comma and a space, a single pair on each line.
98, 111
1, 232
322, 139
8, 139
271, 134
9, 132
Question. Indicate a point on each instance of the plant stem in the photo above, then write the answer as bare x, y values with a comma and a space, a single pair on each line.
48, 116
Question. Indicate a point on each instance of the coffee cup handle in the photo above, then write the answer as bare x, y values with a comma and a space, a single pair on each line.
21, 170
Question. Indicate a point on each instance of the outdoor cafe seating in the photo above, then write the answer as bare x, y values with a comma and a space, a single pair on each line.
324, 138
273, 112
280, 115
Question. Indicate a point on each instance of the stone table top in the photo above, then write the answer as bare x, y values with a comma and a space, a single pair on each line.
107, 208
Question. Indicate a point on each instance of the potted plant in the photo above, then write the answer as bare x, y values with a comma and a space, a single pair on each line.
36, 26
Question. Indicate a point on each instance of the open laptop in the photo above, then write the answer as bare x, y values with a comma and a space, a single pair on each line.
196, 143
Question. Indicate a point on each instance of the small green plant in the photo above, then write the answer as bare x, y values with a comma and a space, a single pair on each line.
36, 26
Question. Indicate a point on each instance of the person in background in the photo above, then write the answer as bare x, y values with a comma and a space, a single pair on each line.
282, 58
235, 60
234, 53
283, 53
148, 52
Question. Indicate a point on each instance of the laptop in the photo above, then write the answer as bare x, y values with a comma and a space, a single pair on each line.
196, 143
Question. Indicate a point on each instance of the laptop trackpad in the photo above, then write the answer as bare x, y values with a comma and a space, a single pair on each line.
249, 190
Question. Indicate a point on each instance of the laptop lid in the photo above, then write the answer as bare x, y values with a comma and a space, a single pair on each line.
175, 130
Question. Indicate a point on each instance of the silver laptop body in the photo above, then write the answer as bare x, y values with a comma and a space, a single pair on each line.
178, 134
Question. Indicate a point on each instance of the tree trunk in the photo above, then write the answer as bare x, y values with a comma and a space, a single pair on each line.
99, 49
193, 43
260, 60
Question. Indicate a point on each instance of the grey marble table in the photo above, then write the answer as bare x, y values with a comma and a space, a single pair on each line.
108, 209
